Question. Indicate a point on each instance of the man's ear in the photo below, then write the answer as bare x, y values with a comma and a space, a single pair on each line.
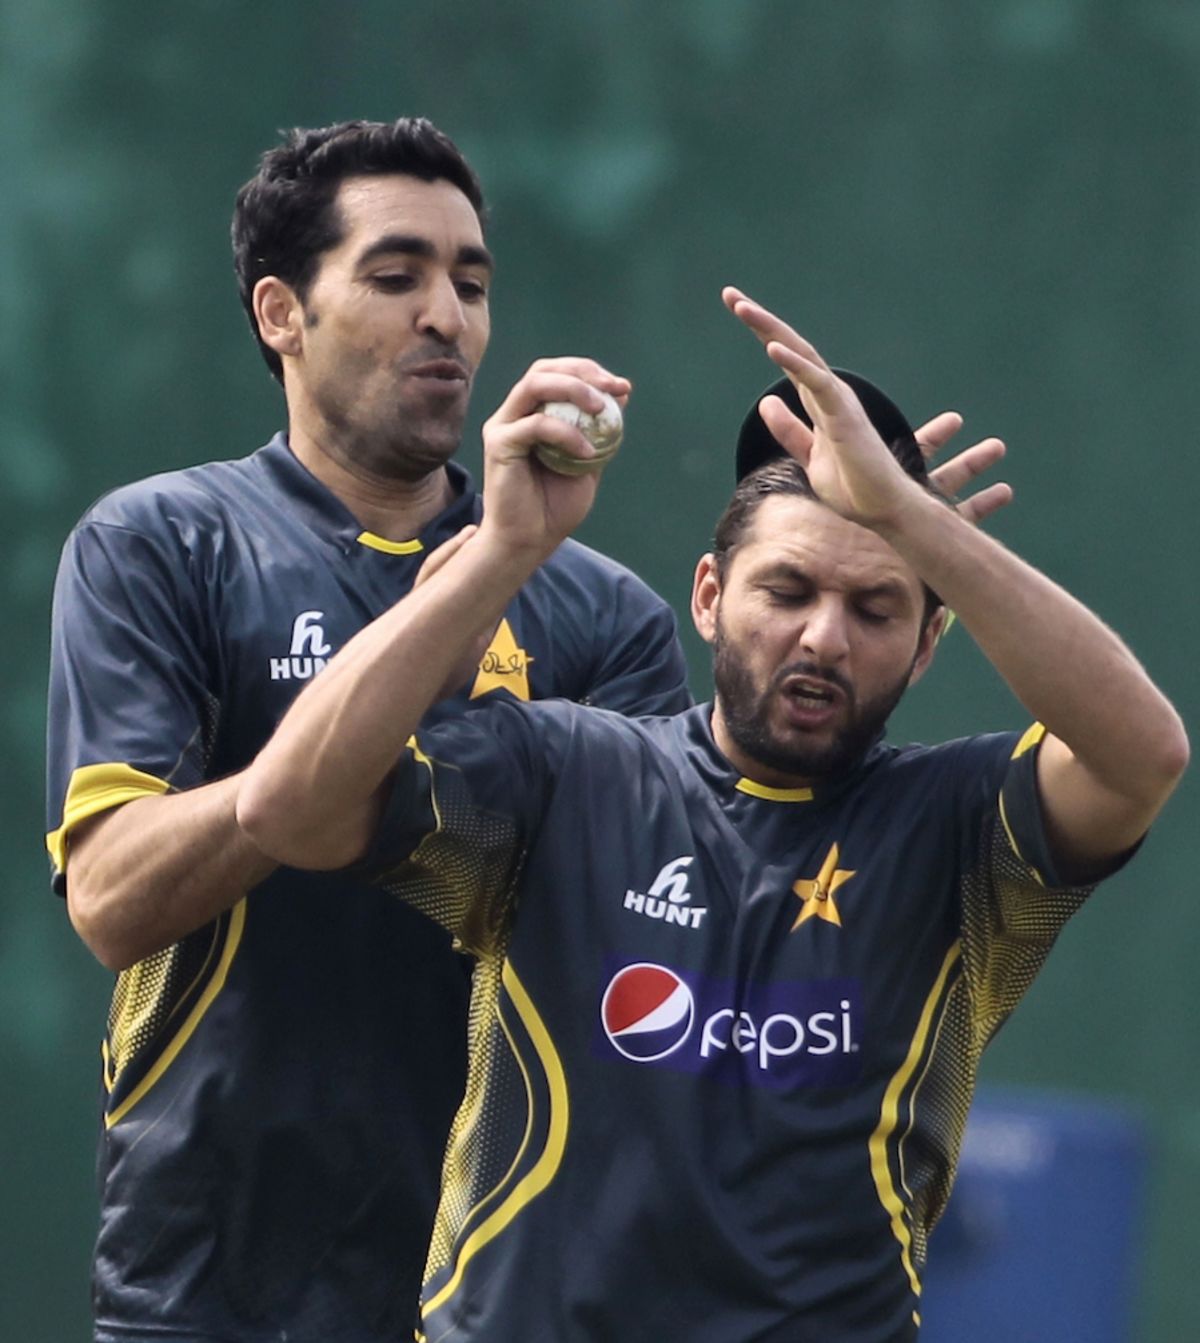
935, 627
706, 596
279, 314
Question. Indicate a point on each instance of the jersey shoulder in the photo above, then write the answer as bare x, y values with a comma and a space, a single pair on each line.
576, 564
170, 500
952, 761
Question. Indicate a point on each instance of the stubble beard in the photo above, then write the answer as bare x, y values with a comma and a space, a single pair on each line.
388, 435
409, 449
746, 715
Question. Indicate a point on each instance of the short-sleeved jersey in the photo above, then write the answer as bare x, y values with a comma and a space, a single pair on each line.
277, 1088
725, 1036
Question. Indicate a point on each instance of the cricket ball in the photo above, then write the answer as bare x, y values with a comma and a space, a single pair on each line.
602, 430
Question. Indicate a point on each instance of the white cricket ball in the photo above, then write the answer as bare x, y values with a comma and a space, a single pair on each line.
602, 430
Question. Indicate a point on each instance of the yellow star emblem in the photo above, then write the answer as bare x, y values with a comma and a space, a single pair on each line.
817, 895
505, 666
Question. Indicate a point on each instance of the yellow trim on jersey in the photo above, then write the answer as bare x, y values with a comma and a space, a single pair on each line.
774, 794
1033, 734
889, 1114
546, 1166
1012, 844
422, 759
97, 788
374, 542
515, 1163
930, 1054
233, 938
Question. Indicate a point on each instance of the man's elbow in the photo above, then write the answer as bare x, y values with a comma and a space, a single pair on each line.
1161, 759
1180, 753
101, 929
1167, 755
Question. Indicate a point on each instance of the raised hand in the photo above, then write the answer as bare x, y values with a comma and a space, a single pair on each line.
848, 465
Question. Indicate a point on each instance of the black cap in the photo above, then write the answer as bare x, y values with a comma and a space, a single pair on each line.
756, 444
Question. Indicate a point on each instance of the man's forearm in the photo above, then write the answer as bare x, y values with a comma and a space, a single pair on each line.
312, 797
1064, 664
146, 874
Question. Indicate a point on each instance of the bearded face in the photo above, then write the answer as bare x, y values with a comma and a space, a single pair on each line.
818, 627
807, 722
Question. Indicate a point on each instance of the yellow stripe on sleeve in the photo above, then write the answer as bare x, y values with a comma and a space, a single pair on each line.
97, 788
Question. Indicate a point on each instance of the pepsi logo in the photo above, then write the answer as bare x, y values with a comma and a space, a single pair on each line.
647, 1012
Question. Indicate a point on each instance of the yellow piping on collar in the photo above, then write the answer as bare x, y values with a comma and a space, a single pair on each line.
774, 794
389, 547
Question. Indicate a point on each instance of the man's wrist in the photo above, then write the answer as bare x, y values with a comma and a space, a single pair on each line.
914, 509
508, 553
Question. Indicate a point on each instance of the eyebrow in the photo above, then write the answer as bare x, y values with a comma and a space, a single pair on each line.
412, 244
887, 589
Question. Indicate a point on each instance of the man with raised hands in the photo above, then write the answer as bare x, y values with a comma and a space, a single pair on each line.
736, 966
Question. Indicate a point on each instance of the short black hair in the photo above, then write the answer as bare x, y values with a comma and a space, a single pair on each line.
785, 476
284, 218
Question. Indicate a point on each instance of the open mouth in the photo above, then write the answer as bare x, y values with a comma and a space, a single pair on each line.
811, 704
816, 694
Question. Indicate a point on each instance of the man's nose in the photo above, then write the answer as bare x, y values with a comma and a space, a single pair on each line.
442, 313
825, 635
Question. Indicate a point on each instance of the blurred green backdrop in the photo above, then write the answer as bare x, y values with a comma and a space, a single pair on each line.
986, 204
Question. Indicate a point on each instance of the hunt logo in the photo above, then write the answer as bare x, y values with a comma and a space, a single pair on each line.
309, 651
668, 898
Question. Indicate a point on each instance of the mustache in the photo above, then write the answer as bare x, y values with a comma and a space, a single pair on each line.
814, 672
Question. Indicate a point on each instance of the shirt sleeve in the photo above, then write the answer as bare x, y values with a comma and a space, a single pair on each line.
130, 710
467, 799
641, 669
1014, 903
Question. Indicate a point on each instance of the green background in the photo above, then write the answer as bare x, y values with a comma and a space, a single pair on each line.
986, 204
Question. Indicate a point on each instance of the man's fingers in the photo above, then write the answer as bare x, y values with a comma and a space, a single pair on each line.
986, 502
766, 326
960, 470
579, 381
520, 438
822, 393
436, 559
934, 434
788, 430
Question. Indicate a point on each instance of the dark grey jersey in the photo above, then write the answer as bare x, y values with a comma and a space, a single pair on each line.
278, 1086
725, 1036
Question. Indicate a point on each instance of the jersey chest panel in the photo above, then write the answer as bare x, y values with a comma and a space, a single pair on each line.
741, 943
280, 607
